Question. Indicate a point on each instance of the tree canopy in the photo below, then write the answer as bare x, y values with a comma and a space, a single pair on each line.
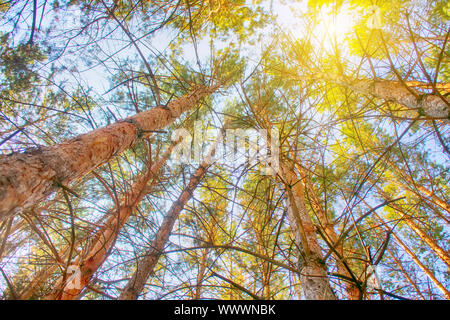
224, 149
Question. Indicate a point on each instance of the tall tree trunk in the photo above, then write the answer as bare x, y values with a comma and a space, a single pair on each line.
146, 265
312, 267
406, 182
441, 253
416, 260
27, 178
399, 265
38, 280
429, 105
105, 238
201, 274
353, 293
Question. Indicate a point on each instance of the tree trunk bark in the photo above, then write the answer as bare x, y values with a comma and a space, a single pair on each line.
312, 267
147, 264
27, 178
399, 265
105, 238
353, 293
429, 105
416, 260
441, 253
201, 274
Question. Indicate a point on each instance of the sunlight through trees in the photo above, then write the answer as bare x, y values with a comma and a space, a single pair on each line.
224, 150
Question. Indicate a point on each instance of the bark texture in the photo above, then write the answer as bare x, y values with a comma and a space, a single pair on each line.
201, 274
353, 293
104, 239
430, 105
147, 264
27, 178
416, 260
312, 267
405, 273
406, 182
427, 104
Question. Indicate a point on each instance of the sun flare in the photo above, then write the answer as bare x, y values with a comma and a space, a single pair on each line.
334, 25
330, 25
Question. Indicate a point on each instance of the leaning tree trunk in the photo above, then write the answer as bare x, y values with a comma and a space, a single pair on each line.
201, 274
312, 267
41, 278
434, 246
405, 273
105, 238
424, 268
27, 178
433, 106
429, 105
405, 180
352, 290
147, 264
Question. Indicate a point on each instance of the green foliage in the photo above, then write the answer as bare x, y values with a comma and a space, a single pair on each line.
19, 65
90, 65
